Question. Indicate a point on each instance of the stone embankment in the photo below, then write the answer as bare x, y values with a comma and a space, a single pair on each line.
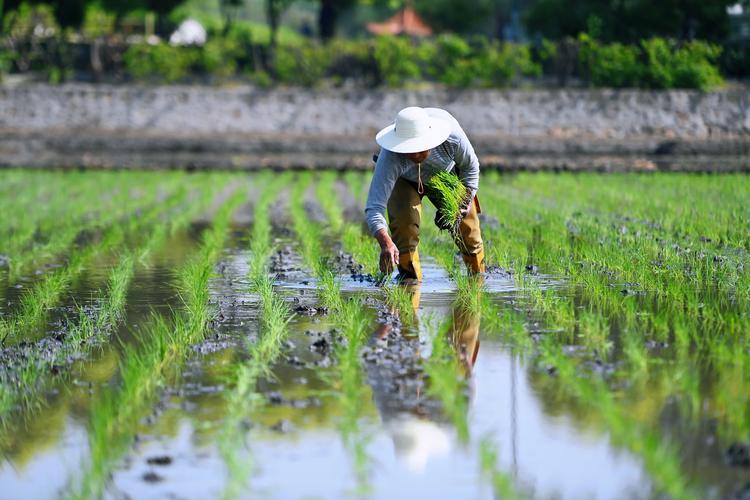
245, 127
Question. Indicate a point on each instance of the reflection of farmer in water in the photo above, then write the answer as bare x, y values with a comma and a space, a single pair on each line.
415, 421
421, 143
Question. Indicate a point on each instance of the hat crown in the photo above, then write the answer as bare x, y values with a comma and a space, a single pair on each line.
412, 122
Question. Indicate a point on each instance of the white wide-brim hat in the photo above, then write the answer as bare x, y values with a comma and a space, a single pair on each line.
413, 131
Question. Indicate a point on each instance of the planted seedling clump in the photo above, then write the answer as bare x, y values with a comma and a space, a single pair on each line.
449, 195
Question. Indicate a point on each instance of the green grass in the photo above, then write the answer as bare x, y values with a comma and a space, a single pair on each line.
31, 380
46, 293
243, 377
35, 241
641, 261
158, 355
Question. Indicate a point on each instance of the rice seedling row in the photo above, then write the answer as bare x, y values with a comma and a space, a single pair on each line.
36, 302
618, 315
243, 377
144, 367
27, 383
66, 226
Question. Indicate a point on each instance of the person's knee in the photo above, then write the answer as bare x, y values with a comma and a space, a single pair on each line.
405, 235
471, 237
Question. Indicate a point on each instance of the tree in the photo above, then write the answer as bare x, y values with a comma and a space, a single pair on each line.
68, 13
453, 15
328, 16
631, 20
162, 9
274, 10
229, 10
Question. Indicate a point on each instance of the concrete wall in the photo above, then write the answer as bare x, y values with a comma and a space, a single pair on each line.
245, 127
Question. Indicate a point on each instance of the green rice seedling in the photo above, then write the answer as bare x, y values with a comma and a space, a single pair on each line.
307, 232
448, 194
354, 322
400, 298
310, 236
274, 317
446, 382
661, 459
84, 328
593, 332
116, 413
65, 224
356, 181
502, 484
506, 323
46, 293
325, 194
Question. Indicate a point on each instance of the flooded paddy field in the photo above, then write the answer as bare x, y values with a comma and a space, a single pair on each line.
213, 334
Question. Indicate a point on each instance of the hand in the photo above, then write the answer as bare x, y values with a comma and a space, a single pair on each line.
466, 208
388, 258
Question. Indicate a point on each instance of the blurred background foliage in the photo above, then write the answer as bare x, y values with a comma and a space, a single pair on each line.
494, 43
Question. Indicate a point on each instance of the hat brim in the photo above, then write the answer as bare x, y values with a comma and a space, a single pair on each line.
436, 134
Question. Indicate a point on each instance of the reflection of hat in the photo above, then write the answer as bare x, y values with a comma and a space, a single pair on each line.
417, 440
413, 131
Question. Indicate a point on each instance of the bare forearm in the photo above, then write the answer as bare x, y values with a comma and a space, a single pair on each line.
384, 239
388, 251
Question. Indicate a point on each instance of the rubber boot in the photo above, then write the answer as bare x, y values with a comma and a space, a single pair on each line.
474, 262
408, 266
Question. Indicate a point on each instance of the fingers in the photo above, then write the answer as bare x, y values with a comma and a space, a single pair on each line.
389, 260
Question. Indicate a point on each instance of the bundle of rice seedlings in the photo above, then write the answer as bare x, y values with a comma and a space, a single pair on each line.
446, 191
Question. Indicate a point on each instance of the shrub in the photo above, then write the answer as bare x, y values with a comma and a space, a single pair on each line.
505, 62
97, 22
352, 60
300, 63
695, 66
396, 59
450, 60
613, 65
458, 62
161, 61
219, 56
657, 64
689, 66
27, 21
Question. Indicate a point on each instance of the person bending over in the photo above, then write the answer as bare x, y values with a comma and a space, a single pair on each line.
420, 143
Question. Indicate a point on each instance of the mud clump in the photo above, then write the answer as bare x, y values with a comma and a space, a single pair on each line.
282, 261
321, 346
283, 427
310, 310
275, 398
162, 460
343, 263
152, 477
738, 455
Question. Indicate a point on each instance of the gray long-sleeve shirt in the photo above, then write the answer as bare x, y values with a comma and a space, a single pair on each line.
456, 151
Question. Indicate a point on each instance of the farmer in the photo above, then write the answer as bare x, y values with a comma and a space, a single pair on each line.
420, 143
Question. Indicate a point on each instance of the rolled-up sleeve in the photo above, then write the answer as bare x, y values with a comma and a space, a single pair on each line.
467, 163
381, 186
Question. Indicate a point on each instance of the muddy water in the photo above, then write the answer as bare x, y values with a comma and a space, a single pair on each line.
298, 448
